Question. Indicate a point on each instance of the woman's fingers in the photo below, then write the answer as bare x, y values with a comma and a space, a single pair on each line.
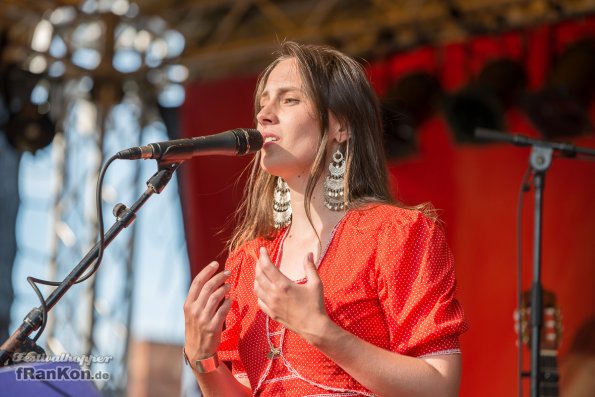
199, 281
205, 296
209, 287
205, 310
221, 313
214, 301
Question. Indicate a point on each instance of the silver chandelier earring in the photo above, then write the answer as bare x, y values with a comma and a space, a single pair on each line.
334, 194
281, 204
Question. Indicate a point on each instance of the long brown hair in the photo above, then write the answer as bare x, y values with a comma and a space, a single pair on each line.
336, 83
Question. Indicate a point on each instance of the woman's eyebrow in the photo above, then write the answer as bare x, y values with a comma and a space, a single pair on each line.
281, 91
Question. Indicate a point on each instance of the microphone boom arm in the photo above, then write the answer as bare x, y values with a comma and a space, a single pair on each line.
124, 217
566, 149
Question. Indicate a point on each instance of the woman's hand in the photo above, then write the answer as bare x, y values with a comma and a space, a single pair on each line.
205, 313
299, 307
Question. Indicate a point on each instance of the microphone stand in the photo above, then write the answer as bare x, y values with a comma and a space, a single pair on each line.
540, 161
19, 341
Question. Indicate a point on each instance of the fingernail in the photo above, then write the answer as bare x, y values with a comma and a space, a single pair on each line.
214, 264
226, 272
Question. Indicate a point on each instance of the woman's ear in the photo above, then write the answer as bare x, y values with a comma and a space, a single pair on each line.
339, 131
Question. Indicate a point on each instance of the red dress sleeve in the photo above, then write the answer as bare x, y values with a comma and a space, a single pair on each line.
416, 285
228, 348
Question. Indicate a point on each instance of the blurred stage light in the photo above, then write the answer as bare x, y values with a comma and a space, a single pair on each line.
498, 86
28, 126
408, 103
561, 108
30, 131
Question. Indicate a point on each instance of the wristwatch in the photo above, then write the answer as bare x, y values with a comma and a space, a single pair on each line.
204, 365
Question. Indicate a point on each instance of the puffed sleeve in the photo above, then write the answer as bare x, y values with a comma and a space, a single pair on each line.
228, 349
416, 286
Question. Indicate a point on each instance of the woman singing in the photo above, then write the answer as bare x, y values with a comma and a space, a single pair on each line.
331, 287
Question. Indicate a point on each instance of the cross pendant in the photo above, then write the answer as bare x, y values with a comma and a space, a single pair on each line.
273, 353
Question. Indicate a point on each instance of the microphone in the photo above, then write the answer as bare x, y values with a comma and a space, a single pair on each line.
236, 142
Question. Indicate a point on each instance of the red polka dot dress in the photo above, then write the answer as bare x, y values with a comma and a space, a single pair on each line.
388, 278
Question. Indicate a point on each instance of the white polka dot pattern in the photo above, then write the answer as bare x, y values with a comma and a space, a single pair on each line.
388, 278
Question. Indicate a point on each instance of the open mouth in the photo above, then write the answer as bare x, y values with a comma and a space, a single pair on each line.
271, 139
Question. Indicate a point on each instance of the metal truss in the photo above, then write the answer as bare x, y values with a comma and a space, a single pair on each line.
227, 37
93, 318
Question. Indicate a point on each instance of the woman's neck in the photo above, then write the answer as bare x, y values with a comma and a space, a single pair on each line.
323, 220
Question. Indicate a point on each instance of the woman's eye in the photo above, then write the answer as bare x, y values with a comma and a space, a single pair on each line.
291, 100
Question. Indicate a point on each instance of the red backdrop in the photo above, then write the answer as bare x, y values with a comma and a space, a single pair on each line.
474, 186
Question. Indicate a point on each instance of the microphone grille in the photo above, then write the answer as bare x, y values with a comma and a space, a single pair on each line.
250, 140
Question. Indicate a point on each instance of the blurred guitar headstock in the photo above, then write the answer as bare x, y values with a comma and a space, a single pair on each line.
551, 331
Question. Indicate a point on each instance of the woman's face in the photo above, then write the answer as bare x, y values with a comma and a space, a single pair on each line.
287, 121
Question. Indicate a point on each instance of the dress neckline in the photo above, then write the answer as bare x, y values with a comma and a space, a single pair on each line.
322, 253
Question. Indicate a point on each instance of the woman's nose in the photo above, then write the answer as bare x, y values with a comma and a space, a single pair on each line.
266, 115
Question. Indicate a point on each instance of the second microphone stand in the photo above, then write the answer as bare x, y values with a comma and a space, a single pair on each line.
540, 161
